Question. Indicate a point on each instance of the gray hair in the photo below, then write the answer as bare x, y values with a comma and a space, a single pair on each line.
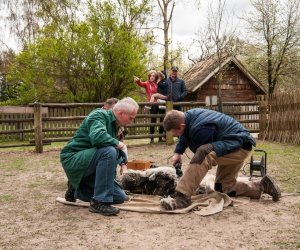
127, 105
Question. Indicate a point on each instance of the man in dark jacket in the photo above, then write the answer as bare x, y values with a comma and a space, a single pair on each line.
216, 140
90, 158
176, 88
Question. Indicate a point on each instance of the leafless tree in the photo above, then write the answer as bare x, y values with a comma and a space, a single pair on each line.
26, 17
277, 27
217, 41
164, 6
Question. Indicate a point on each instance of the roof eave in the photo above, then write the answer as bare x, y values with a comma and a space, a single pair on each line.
211, 74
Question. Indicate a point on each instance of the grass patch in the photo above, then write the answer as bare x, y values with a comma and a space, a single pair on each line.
283, 162
52, 146
296, 208
13, 163
6, 198
288, 244
71, 218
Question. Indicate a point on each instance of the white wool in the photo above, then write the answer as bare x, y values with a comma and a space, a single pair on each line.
169, 201
139, 172
151, 173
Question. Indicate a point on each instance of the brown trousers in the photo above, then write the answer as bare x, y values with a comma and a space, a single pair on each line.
227, 172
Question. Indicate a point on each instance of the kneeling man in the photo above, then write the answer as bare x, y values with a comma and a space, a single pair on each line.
90, 158
216, 140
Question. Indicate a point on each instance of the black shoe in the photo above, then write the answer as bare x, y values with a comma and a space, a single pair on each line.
103, 208
270, 187
69, 195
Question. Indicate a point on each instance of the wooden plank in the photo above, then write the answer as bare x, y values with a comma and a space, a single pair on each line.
169, 136
16, 120
38, 134
16, 131
20, 110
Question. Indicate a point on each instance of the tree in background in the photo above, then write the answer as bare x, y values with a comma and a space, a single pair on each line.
7, 91
116, 29
276, 26
82, 59
167, 17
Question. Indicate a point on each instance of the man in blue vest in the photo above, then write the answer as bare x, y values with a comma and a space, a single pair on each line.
216, 140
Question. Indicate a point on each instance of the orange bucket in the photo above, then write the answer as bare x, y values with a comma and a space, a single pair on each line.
138, 164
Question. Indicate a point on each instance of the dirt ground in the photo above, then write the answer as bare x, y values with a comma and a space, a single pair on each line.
32, 219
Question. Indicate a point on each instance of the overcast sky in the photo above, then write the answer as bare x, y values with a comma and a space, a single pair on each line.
187, 20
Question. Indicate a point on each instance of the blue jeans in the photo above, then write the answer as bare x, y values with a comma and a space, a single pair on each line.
99, 180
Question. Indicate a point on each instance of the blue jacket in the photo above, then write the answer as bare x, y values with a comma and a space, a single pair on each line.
162, 87
204, 126
176, 89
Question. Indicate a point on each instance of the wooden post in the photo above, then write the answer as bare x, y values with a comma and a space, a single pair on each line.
38, 135
169, 136
263, 117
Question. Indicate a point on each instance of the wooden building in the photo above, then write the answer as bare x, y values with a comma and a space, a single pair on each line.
238, 85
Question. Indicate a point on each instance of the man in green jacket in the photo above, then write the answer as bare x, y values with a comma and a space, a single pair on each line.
90, 158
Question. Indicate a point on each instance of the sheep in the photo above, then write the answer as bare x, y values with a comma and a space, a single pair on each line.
155, 181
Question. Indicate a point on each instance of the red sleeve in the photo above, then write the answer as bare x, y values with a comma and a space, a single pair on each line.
142, 84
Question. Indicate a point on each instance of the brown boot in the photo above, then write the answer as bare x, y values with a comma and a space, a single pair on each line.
269, 186
177, 201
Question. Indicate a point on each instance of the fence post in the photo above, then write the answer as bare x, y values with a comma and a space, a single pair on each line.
38, 135
263, 117
169, 136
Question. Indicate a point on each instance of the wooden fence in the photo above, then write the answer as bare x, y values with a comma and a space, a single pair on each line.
54, 122
283, 121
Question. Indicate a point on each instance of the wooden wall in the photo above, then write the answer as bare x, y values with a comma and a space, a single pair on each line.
236, 87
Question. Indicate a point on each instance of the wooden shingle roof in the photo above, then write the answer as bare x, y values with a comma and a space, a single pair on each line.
202, 71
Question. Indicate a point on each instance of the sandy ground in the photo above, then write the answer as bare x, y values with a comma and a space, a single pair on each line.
31, 219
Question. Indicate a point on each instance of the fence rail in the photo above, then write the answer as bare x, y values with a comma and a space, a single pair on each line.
283, 123
60, 121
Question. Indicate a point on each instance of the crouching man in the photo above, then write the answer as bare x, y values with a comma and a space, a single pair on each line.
90, 158
216, 140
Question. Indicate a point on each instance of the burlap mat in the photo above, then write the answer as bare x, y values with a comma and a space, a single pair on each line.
204, 205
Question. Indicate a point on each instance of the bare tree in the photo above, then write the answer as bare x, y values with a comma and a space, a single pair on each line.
277, 25
167, 17
217, 41
27, 17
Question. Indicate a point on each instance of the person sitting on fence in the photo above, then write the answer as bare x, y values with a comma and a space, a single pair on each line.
160, 97
151, 88
90, 158
216, 140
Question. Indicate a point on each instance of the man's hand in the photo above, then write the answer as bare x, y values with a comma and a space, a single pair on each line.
120, 145
136, 79
201, 152
176, 158
123, 169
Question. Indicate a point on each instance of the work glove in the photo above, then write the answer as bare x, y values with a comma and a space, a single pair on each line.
201, 152
177, 166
